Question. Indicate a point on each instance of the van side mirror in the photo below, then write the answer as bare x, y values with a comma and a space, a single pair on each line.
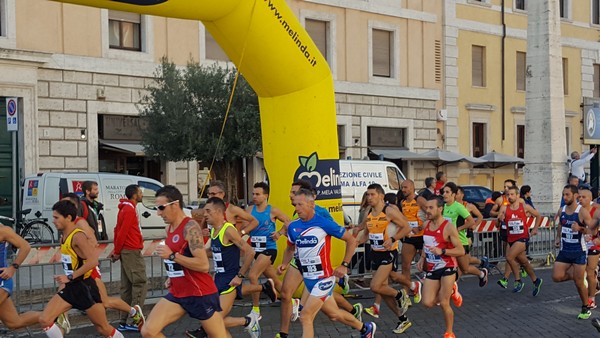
146, 214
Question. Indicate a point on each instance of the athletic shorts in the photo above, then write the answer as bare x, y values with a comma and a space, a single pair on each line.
576, 257
379, 258
523, 240
416, 241
467, 249
96, 273
592, 252
7, 285
503, 235
272, 253
198, 307
320, 288
295, 263
439, 273
222, 281
82, 294
470, 233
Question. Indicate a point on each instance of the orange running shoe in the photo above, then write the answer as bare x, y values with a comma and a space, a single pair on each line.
449, 335
456, 296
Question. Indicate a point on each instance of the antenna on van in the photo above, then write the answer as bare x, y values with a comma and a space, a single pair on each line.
381, 157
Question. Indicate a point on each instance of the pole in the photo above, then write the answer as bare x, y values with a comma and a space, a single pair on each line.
15, 182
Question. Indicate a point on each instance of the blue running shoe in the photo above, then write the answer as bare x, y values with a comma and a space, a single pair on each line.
370, 332
537, 285
518, 286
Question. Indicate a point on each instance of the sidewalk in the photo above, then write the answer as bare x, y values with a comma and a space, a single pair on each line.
486, 312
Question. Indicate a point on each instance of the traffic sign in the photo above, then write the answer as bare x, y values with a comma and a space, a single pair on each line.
12, 116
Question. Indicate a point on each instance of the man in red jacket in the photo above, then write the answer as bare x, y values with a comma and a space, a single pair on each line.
128, 248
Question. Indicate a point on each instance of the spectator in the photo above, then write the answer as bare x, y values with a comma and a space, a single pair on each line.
489, 204
91, 208
526, 195
579, 161
128, 248
441, 180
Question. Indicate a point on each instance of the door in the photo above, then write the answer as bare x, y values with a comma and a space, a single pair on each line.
6, 184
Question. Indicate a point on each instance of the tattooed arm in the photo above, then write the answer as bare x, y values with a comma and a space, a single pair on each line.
199, 260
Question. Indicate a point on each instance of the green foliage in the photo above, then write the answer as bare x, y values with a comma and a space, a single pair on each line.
185, 109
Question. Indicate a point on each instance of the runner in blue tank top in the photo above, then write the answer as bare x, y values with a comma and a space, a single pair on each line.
573, 224
263, 239
8, 313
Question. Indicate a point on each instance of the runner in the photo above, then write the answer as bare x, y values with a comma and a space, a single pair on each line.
593, 245
79, 291
441, 247
478, 217
191, 288
515, 216
413, 242
234, 214
383, 237
8, 313
571, 261
263, 240
458, 215
309, 237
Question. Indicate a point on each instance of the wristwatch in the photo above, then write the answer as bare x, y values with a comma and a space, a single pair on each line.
70, 277
346, 264
172, 256
443, 251
243, 232
241, 276
15, 265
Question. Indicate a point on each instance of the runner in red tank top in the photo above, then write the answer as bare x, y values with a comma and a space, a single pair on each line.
441, 246
191, 288
515, 217
593, 244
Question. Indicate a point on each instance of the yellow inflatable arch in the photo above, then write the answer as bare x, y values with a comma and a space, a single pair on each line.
290, 76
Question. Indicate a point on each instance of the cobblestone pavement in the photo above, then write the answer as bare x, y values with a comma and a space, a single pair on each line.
486, 312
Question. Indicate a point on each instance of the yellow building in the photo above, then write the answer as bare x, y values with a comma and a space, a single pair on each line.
485, 92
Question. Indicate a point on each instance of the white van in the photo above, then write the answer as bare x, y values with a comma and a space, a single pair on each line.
357, 175
40, 192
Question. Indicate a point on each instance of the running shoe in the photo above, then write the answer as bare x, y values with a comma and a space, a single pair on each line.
402, 326
358, 309
585, 313
269, 289
485, 262
127, 327
344, 284
403, 302
370, 330
372, 311
138, 318
362, 284
63, 322
456, 296
518, 286
253, 327
295, 309
449, 335
537, 285
592, 304
523, 272
197, 333
503, 282
596, 323
483, 280
417, 292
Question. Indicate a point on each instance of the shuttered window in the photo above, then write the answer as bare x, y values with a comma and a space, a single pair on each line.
382, 53
521, 71
478, 66
596, 80
479, 139
318, 31
565, 65
213, 50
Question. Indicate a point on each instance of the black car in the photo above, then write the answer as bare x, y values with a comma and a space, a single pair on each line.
477, 195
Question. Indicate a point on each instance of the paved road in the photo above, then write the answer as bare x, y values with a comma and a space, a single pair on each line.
486, 312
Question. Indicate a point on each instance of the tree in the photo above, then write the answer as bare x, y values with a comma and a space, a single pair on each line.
184, 112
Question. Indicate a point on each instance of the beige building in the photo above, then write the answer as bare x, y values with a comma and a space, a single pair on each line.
485, 90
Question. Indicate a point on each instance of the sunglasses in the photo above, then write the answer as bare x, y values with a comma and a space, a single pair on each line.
214, 193
162, 207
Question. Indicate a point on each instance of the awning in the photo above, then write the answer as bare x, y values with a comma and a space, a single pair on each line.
399, 154
135, 149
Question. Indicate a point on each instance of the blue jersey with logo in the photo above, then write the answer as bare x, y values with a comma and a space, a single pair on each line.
5, 284
312, 239
260, 237
571, 241
225, 256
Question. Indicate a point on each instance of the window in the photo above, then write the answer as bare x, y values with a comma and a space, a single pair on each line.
382, 53
394, 179
341, 140
124, 30
386, 137
318, 31
478, 66
521, 71
520, 4
563, 7
596, 80
596, 12
479, 139
565, 65
213, 50
521, 141
567, 138
149, 190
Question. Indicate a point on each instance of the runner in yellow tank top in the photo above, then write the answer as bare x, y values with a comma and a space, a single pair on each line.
384, 251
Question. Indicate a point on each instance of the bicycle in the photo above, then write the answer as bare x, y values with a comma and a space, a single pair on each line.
35, 230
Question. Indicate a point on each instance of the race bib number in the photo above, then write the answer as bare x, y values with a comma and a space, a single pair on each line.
376, 241
568, 236
67, 262
449, 219
219, 268
413, 224
312, 268
174, 270
259, 243
516, 227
